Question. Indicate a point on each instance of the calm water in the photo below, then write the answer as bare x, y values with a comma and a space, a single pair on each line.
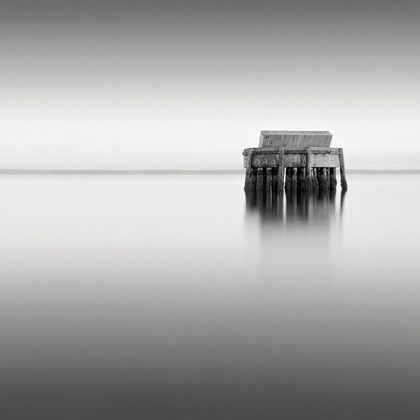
180, 297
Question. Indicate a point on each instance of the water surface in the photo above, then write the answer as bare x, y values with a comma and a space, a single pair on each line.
182, 297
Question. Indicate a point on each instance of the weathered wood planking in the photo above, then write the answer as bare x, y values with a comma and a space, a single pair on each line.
295, 139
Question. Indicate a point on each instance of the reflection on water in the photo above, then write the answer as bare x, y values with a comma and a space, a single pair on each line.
295, 229
295, 206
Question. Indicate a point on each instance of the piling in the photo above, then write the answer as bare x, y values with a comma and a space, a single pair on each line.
342, 170
260, 179
250, 176
280, 179
275, 179
315, 179
327, 175
294, 179
309, 183
301, 178
250, 180
318, 175
333, 179
289, 174
322, 179
269, 179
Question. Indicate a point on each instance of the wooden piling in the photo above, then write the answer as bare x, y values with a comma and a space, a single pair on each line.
342, 170
301, 178
268, 179
323, 183
289, 174
294, 179
250, 180
315, 179
309, 180
327, 176
275, 179
280, 179
303, 184
250, 176
260, 179
333, 179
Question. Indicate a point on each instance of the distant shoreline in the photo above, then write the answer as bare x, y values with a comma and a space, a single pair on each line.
174, 171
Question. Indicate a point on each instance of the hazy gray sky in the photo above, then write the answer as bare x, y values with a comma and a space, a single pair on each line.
189, 84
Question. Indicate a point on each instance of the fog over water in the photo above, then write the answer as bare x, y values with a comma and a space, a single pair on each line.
182, 297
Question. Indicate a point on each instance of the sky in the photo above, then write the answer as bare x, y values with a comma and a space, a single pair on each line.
174, 84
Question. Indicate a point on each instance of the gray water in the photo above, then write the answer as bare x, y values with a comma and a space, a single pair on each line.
181, 297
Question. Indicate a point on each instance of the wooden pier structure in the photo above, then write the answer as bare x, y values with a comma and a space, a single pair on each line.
295, 160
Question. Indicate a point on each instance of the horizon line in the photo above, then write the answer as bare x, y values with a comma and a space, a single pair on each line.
174, 171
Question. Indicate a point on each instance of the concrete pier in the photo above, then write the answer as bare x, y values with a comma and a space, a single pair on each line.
295, 160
